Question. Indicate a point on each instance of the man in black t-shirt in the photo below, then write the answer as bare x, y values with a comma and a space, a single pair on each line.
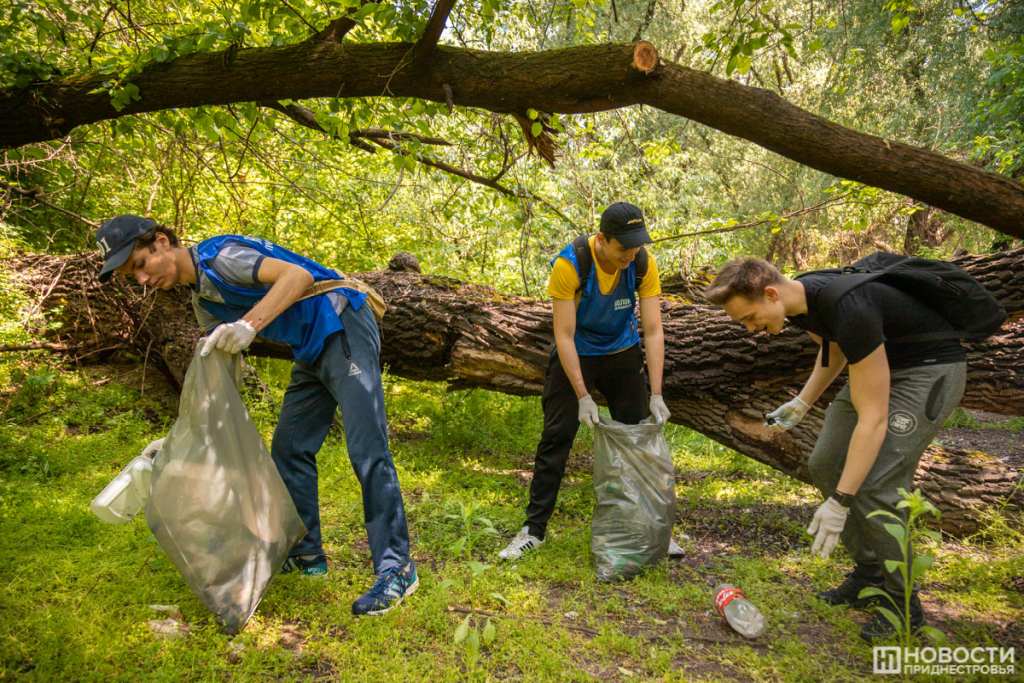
878, 425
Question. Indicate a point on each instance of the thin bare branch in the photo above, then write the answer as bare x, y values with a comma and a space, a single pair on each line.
379, 133
765, 221
37, 196
307, 118
648, 17
299, 14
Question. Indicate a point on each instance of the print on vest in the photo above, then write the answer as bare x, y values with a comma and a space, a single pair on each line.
623, 303
354, 370
902, 423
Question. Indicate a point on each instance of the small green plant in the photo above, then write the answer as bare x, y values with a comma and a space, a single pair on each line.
473, 637
35, 386
471, 527
912, 567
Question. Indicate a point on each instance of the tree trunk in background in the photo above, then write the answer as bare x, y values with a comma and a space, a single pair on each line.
718, 379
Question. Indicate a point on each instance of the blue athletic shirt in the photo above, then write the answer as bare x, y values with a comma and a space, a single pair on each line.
304, 326
605, 323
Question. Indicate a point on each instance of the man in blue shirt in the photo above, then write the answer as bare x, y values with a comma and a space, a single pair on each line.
244, 287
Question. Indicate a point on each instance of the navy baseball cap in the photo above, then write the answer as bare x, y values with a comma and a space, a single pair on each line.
625, 222
116, 240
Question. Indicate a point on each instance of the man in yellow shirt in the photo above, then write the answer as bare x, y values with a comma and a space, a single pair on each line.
594, 286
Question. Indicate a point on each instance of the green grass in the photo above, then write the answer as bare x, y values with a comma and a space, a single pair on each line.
963, 419
75, 593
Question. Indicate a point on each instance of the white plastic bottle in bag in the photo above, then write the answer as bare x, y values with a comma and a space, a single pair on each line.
124, 496
741, 614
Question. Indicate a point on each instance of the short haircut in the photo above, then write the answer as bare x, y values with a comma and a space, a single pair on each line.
149, 238
746, 277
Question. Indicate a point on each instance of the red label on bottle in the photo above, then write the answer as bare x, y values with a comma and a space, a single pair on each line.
725, 596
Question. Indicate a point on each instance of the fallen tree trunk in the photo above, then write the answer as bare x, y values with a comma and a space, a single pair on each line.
718, 379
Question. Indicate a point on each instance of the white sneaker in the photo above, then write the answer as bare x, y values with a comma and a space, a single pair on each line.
674, 550
522, 543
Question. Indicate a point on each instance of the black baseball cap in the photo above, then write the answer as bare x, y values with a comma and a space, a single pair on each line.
116, 240
625, 222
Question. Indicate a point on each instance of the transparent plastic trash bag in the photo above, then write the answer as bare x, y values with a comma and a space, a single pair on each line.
634, 484
217, 505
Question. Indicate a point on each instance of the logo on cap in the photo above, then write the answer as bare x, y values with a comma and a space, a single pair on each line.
104, 247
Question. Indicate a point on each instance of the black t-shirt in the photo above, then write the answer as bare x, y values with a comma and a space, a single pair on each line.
874, 313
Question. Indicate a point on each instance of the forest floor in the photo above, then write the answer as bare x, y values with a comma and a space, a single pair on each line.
75, 594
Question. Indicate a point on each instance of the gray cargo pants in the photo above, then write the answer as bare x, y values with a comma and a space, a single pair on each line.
920, 400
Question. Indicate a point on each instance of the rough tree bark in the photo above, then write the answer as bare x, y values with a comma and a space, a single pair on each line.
718, 379
570, 80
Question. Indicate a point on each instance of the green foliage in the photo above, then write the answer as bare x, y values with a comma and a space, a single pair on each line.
471, 527
77, 597
908, 532
999, 119
473, 637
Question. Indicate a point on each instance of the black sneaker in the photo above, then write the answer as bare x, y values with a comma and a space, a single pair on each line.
848, 592
880, 628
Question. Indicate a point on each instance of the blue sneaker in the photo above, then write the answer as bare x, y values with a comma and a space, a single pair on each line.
391, 586
309, 565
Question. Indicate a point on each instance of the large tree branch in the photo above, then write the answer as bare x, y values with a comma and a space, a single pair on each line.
571, 80
424, 48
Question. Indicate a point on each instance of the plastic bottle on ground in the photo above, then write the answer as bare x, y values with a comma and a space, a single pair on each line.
739, 612
123, 497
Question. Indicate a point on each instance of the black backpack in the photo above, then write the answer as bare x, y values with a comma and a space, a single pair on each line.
942, 286
584, 260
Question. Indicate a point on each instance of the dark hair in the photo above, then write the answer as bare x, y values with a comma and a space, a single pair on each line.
149, 238
746, 277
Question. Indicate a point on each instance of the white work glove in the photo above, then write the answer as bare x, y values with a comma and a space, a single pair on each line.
229, 337
153, 447
788, 415
659, 410
826, 526
588, 411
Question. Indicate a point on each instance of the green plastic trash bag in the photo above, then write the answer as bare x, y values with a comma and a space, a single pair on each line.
218, 506
634, 484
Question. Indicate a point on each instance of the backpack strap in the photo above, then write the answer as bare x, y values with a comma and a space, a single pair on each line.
373, 297
828, 296
585, 259
641, 266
